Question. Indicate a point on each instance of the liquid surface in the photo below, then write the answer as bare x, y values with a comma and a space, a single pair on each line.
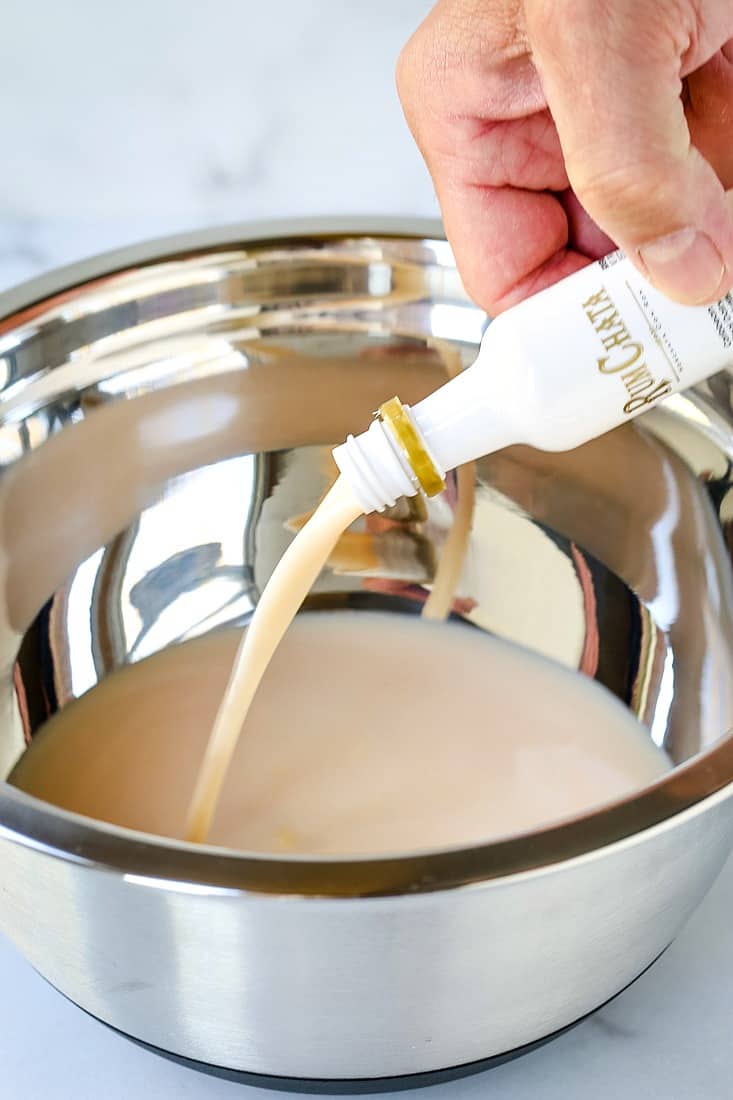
371, 733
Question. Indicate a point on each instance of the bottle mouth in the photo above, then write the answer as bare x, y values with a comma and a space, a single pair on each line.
397, 419
389, 461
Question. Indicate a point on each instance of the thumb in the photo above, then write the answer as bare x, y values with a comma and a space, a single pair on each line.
612, 77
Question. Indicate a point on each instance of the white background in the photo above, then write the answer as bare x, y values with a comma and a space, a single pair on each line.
121, 121
138, 119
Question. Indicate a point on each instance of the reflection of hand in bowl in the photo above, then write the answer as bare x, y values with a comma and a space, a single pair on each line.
449, 603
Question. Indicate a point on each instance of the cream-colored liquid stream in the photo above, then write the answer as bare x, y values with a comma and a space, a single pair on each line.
283, 595
450, 564
287, 588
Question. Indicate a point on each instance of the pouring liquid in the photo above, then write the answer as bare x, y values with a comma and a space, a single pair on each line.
287, 588
284, 593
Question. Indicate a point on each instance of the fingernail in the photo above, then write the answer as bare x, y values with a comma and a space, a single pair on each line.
685, 265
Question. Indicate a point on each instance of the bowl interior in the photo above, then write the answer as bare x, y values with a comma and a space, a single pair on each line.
163, 426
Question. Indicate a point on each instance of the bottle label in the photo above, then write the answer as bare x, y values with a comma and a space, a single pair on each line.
573, 361
623, 355
721, 315
651, 346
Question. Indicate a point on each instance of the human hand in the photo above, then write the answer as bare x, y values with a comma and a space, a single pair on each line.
555, 128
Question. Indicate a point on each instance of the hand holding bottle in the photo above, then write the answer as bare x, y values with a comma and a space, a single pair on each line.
556, 128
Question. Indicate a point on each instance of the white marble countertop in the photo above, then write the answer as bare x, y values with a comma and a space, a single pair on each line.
120, 122
145, 121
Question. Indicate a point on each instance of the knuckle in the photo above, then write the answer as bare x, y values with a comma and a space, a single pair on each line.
420, 76
404, 72
416, 71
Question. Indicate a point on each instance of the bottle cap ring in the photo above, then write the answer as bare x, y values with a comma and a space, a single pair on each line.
399, 422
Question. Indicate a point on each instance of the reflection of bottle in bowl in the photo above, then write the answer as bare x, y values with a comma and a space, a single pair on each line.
560, 368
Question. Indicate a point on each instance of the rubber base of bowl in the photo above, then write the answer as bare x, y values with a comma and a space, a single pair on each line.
363, 1085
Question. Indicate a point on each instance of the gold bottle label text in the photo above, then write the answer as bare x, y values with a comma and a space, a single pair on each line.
624, 356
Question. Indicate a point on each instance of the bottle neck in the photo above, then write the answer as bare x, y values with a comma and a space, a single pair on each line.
408, 450
473, 414
376, 471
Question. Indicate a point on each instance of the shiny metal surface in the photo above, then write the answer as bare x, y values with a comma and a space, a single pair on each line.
162, 429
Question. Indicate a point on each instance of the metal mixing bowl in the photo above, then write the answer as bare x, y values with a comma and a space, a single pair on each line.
164, 411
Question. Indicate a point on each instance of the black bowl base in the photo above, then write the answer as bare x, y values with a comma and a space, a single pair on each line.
366, 1085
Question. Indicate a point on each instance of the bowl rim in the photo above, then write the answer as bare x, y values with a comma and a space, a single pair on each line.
159, 861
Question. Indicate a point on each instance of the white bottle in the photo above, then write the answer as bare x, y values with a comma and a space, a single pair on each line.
560, 368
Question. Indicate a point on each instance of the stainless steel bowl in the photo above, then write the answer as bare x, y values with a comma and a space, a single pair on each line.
219, 368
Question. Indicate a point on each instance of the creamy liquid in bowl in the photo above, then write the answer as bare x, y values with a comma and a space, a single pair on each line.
371, 733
